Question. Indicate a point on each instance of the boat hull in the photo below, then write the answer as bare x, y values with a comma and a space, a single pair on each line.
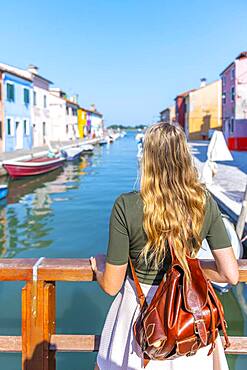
74, 158
32, 168
71, 154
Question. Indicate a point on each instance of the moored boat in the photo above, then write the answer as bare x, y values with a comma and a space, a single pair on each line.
3, 191
87, 148
205, 252
72, 154
103, 142
32, 167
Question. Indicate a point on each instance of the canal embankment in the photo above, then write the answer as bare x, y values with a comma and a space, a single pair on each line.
37, 152
229, 182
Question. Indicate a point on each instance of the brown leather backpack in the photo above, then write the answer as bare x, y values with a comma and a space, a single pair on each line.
182, 316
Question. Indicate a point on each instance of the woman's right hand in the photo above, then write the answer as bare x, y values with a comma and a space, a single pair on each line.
98, 263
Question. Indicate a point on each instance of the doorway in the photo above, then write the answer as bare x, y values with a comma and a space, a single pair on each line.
18, 135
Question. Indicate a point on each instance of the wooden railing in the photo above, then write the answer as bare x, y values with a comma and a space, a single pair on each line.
39, 341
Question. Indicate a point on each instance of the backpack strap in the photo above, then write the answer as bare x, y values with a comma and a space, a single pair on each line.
140, 294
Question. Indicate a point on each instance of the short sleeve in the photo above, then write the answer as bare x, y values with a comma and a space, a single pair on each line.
118, 246
217, 236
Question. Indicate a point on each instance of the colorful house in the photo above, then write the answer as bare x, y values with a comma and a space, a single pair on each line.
168, 115
82, 122
89, 123
97, 122
180, 108
203, 110
234, 103
72, 118
58, 115
63, 114
17, 92
40, 111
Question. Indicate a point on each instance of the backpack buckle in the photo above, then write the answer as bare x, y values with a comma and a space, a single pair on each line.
195, 326
191, 353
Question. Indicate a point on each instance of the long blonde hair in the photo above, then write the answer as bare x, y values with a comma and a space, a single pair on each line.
174, 199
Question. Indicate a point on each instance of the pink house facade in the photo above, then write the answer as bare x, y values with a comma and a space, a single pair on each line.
234, 103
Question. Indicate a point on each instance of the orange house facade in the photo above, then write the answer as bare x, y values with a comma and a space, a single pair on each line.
203, 110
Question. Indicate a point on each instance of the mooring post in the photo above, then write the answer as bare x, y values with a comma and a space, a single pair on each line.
38, 324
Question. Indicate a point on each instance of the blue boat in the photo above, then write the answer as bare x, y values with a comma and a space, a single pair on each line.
72, 154
3, 191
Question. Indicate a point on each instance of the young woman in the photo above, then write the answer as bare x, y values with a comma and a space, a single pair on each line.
171, 204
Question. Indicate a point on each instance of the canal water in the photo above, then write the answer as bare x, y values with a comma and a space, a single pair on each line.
65, 214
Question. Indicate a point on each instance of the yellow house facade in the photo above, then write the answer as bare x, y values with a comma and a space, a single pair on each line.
82, 121
203, 110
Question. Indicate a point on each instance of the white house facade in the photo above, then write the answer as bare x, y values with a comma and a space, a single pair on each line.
40, 112
97, 122
58, 116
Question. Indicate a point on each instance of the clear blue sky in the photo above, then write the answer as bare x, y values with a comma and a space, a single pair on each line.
129, 57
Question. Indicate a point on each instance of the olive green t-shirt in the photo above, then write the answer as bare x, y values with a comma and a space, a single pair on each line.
127, 236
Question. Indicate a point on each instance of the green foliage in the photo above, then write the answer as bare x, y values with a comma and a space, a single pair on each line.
122, 127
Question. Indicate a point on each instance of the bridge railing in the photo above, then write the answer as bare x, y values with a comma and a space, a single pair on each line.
39, 341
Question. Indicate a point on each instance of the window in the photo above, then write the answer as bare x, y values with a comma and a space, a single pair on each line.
0, 92
223, 80
233, 93
1, 130
67, 129
67, 110
26, 96
26, 127
232, 73
224, 98
45, 101
9, 131
232, 125
10, 92
34, 98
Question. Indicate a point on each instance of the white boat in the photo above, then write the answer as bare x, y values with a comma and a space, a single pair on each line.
104, 141
71, 154
87, 148
205, 252
139, 136
114, 136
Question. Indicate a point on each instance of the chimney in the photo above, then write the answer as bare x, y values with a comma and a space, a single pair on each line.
93, 107
203, 82
33, 69
74, 98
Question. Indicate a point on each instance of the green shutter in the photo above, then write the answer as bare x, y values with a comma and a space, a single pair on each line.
11, 92
9, 126
8, 92
26, 96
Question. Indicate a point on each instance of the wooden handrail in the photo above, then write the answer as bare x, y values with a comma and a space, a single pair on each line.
39, 341
90, 343
63, 269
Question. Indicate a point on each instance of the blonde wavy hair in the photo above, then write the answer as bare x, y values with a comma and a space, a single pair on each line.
174, 199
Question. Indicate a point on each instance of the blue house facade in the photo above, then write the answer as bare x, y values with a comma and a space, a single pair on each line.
17, 101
